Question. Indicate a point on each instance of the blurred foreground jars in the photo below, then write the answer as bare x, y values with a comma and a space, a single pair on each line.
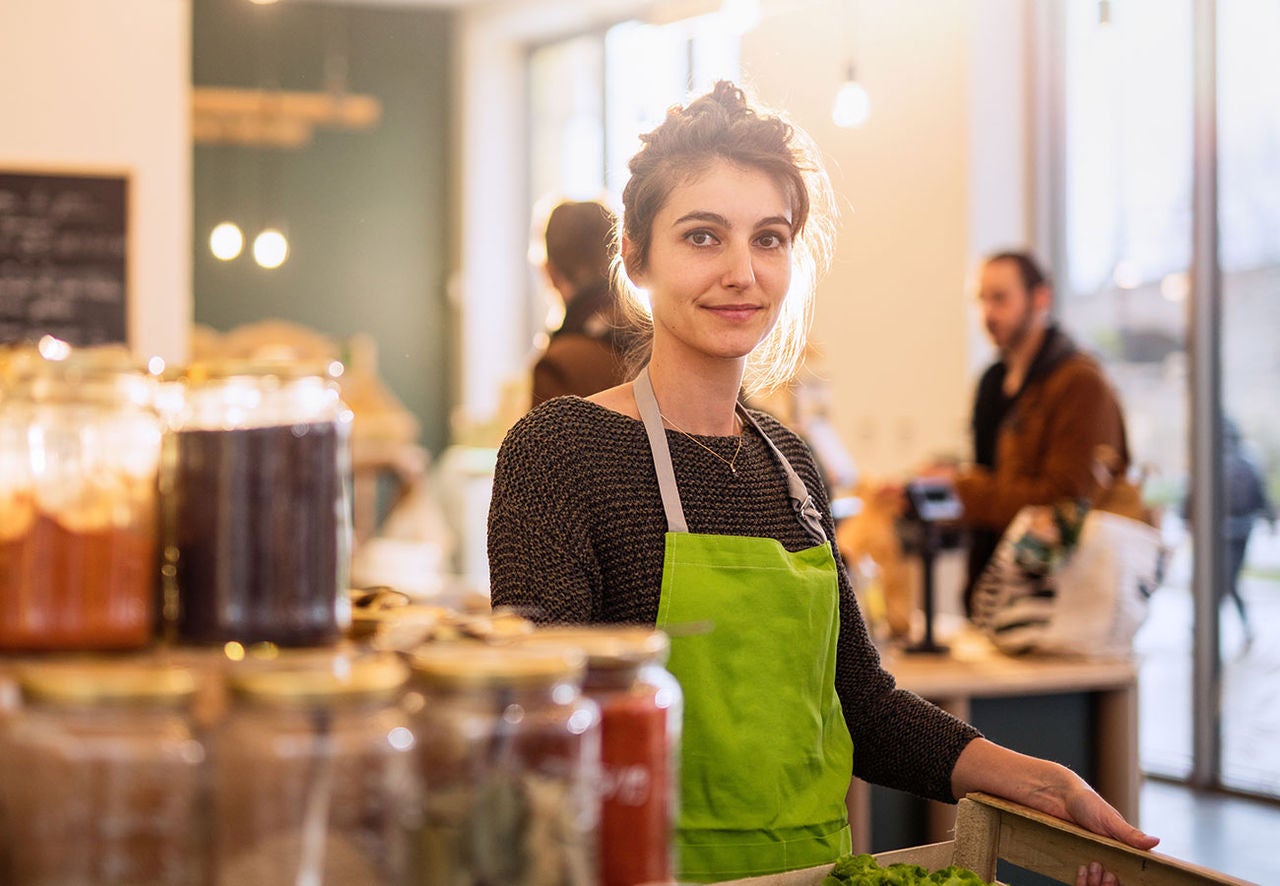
641, 710
256, 518
509, 754
79, 449
314, 773
101, 778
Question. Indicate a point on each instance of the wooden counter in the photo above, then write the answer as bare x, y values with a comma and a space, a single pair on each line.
976, 670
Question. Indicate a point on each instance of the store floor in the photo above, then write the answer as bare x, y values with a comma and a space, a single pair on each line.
1234, 835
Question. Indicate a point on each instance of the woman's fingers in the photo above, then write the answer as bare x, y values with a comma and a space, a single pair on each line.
1093, 874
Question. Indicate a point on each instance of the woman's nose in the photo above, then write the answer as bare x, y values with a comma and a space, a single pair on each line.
739, 273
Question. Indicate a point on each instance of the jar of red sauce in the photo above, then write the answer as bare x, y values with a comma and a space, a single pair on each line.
79, 453
641, 708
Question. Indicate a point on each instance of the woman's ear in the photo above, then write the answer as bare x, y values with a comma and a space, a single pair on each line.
630, 261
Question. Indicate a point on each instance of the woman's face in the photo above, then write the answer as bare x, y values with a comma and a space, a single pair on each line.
719, 263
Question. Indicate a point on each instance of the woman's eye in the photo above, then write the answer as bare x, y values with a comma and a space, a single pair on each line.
770, 241
700, 238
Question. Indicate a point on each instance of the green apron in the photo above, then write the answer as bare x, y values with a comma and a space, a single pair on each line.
766, 754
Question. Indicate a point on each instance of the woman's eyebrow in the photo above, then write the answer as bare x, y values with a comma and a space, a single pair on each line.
703, 215
716, 218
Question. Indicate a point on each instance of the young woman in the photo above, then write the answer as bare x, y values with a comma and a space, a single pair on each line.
664, 501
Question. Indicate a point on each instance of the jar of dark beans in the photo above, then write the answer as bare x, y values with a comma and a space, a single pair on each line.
256, 518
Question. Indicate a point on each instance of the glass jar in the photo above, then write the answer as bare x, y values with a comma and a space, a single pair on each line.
254, 485
313, 773
79, 451
641, 709
509, 752
102, 777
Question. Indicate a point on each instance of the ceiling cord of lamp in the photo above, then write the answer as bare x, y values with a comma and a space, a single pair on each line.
852, 105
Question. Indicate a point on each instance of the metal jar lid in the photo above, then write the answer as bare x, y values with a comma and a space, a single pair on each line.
53, 372
316, 679
607, 647
475, 665
101, 682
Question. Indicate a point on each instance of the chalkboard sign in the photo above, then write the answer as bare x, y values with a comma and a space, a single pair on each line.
63, 245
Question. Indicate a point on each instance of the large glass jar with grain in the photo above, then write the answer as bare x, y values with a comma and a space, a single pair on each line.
509, 751
256, 509
102, 777
314, 773
79, 450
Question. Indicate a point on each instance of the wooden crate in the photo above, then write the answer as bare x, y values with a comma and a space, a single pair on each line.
989, 829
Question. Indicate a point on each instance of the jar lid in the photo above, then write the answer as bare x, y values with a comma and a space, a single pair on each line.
55, 372
310, 678
236, 394
463, 664
607, 647
282, 368
91, 682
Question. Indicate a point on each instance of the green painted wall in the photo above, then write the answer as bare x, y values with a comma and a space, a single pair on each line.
366, 212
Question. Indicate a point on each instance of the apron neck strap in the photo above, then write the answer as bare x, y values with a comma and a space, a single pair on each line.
801, 501
647, 402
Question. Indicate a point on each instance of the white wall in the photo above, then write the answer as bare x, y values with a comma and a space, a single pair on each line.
93, 85
928, 183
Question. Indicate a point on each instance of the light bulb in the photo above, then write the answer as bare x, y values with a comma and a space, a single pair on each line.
270, 248
226, 241
852, 105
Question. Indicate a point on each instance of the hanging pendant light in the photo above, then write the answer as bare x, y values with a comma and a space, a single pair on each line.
852, 105
226, 240
270, 248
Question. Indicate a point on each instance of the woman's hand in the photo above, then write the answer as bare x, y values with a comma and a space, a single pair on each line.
1082, 805
1047, 787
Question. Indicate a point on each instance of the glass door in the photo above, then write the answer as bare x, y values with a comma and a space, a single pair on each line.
1249, 249
1125, 251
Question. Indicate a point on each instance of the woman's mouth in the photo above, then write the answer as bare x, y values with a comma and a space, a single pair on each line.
734, 313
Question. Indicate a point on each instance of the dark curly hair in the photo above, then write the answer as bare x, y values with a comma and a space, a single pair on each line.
725, 125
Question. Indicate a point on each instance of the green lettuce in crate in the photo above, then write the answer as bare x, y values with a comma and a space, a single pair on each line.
862, 870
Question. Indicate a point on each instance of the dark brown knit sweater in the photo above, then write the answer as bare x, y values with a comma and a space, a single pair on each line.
576, 534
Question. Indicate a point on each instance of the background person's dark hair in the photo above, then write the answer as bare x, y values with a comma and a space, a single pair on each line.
1029, 270
579, 239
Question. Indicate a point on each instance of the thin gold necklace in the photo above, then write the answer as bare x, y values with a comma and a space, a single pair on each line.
727, 461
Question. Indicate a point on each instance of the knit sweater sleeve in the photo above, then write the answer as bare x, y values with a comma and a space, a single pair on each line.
541, 560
